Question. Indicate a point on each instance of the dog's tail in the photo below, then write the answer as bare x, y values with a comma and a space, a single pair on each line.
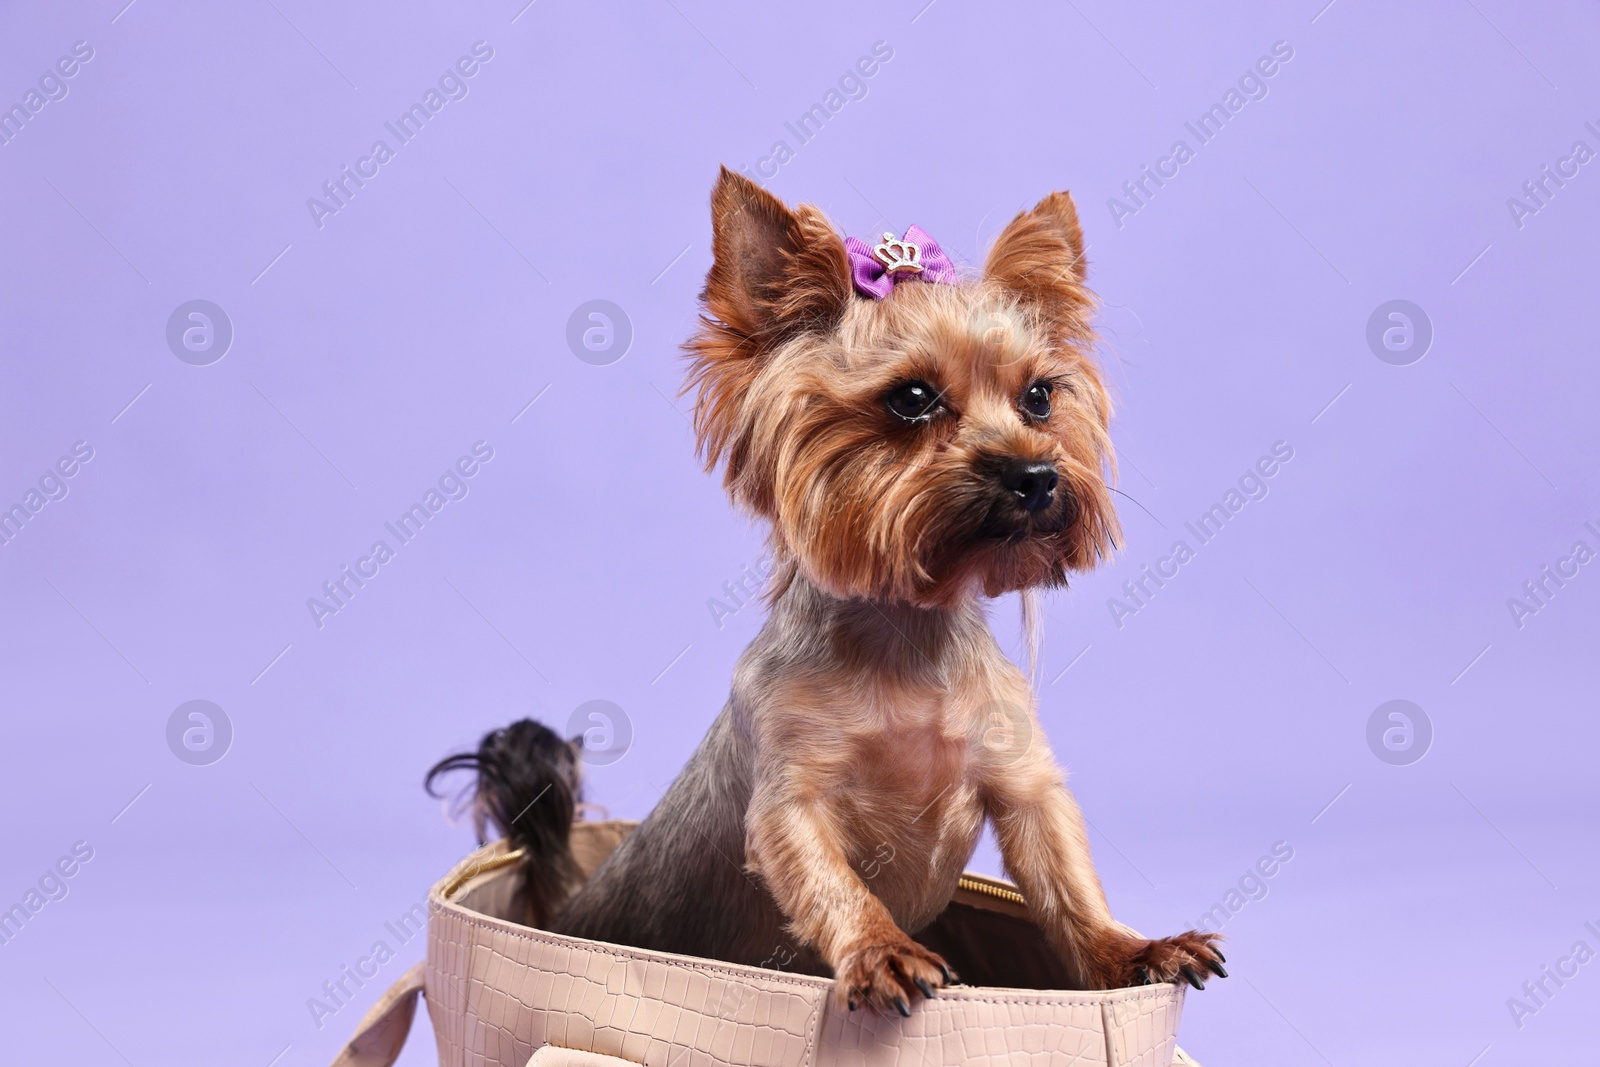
528, 787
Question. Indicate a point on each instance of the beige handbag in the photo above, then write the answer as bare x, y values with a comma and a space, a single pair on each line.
505, 995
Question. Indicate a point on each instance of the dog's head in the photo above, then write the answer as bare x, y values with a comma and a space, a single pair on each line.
943, 441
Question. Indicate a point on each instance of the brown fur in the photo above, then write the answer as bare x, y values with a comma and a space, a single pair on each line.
875, 724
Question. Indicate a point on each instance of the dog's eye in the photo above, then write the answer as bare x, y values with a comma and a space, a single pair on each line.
1036, 401
913, 401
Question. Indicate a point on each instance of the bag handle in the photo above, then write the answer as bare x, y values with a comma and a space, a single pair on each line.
382, 1031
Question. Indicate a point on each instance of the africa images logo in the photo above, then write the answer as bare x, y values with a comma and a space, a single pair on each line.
1251, 86
453, 484
453, 85
53, 86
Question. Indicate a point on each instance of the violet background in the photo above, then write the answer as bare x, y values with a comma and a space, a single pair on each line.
429, 312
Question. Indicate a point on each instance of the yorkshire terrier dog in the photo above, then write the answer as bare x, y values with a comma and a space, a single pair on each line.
918, 443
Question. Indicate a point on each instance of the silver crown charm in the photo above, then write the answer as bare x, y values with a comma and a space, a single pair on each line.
898, 257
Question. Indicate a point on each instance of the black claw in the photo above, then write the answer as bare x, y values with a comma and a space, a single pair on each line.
1188, 973
927, 990
1217, 969
852, 1003
948, 977
1217, 952
902, 1007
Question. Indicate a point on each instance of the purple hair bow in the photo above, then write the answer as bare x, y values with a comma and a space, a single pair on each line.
876, 268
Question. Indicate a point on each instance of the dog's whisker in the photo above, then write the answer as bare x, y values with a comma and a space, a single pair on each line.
1136, 504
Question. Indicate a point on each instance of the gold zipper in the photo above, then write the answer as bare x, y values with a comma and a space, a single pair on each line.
991, 887
493, 864
972, 883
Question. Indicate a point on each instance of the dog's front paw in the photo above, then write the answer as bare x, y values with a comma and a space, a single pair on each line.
888, 977
1191, 957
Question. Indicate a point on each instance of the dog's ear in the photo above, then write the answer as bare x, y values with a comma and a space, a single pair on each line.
775, 274
1038, 258
776, 271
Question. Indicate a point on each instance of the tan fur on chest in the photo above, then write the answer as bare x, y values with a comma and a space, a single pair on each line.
895, 760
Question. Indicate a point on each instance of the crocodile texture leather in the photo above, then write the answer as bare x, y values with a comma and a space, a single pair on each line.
497, 992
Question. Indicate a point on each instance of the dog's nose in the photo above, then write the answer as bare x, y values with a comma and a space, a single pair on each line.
1031, 481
